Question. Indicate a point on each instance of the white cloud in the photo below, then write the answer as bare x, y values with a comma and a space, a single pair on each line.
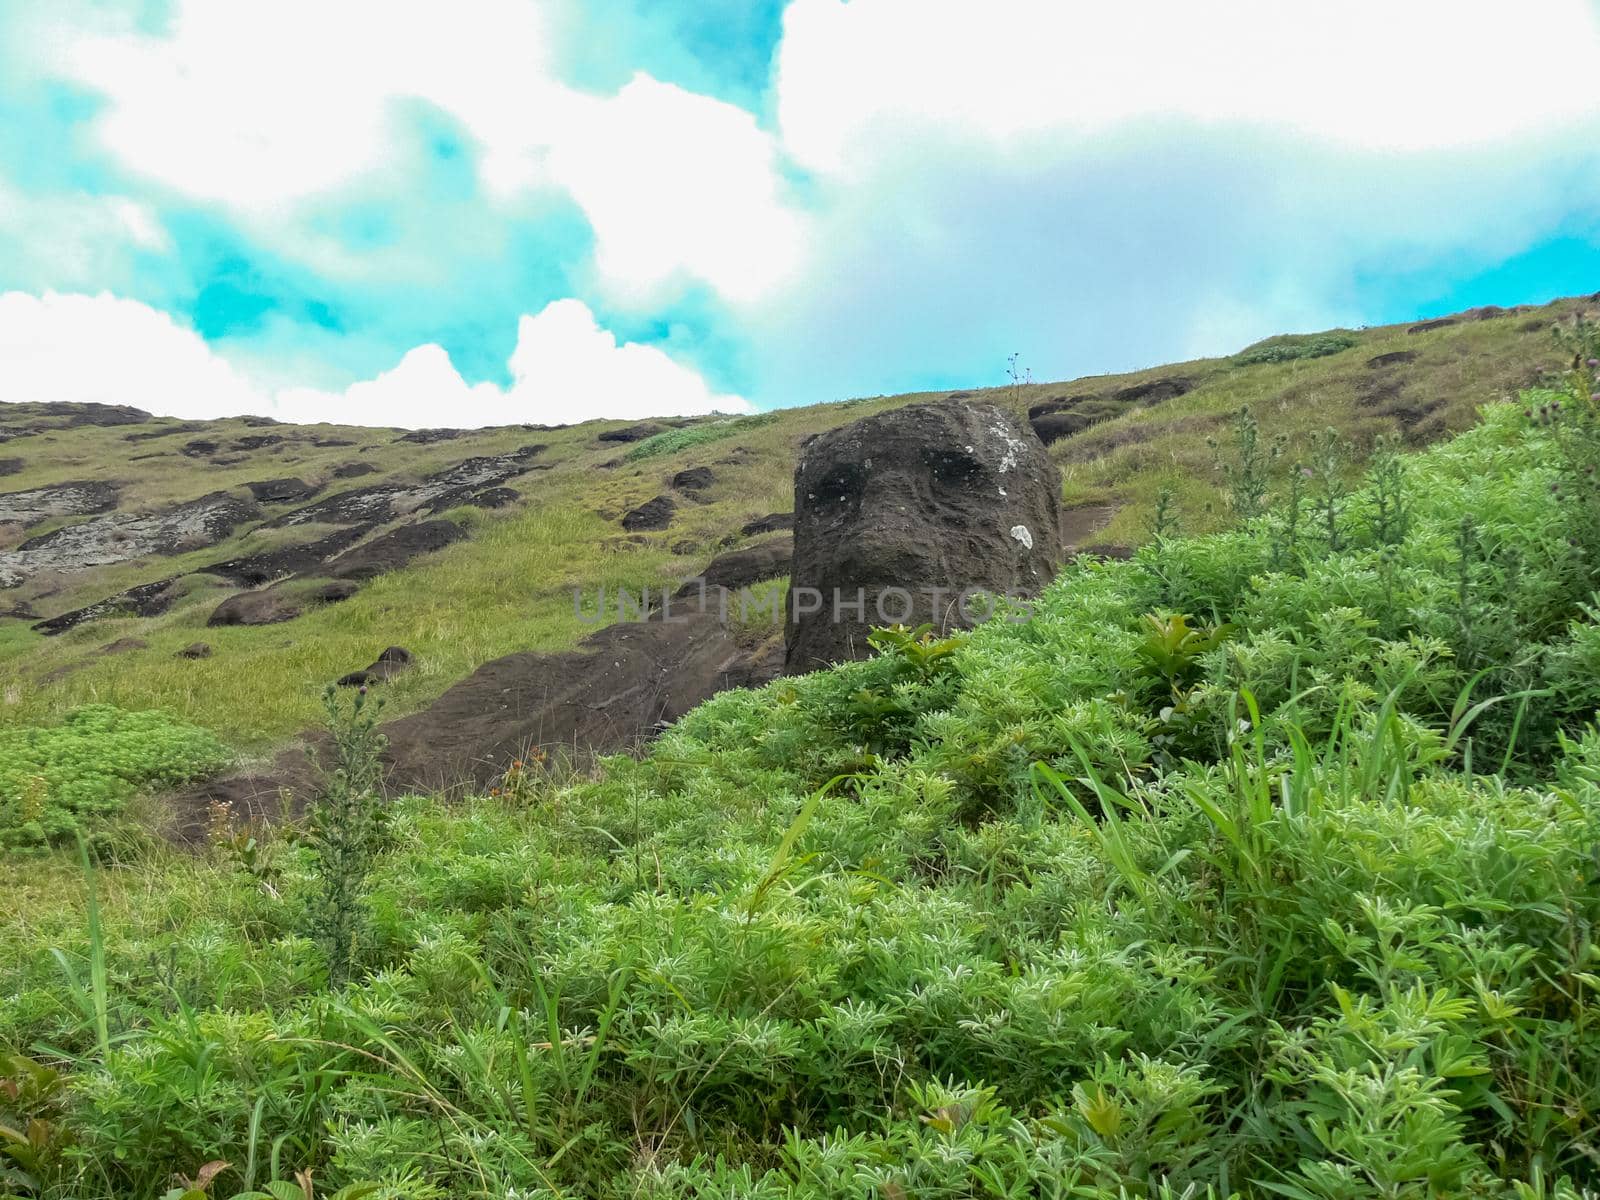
676, 183
267, 108
75, 239
1370, 73
103, 349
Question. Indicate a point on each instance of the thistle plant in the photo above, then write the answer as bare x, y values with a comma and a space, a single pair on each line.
347, 827
1246, 466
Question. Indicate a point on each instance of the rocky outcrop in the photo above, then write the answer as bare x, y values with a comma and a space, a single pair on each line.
386, 666
118, 537
145, 600
899, 515
633, 433
80, 498
651, 515
393, 550
281, 491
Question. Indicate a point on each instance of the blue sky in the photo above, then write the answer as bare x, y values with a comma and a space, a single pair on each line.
548, 210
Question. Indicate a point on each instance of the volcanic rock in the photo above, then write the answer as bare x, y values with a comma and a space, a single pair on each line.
118, 537
632, 433
1424, 326
909, 509
1393, 359
352, 470
652, 514
393, 550
387, 665
76, 499
195, 650
255, 569
281, 491
693, 479
771, 523
145, 600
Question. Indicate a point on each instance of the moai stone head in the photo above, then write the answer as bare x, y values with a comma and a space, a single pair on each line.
900, 515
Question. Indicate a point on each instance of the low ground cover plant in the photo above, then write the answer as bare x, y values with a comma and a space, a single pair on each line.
58, 780
1291, 347
1252, 866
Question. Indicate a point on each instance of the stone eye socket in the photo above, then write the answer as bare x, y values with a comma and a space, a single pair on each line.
951, 468
839, 488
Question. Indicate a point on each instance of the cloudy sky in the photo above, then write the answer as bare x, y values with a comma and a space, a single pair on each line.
494, 211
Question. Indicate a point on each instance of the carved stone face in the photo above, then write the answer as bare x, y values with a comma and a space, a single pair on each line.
907, 510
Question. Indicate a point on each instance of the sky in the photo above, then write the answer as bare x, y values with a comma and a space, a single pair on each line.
400, 212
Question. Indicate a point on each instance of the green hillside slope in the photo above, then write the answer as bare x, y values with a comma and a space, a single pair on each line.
509, 585
1263, 864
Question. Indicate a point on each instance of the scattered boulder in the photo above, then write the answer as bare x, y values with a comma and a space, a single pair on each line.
771, 523
387, 665
1394, 358
200, 448
329, 443
1053, 426
498, 497
270, 606
255, 569
145, 600
693, 479
1154, 391
652, 514
742, 568
385, 502
195, 650
633, 433
145, 435
393, 550
11, 466
1438, 323
82, 497
256, 441
333, 591
1057, 403
427, 437
352, 470
617, 689
907, 511
118, 537
281, 491
1486, 313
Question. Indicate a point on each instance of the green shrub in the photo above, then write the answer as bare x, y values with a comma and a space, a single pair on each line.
674, 440
1291, 347
56, 779
1332, 937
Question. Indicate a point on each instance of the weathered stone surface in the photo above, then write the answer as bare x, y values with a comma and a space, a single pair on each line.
252, 570
1394, 358
1438, 323
694, 479
281, 491
386, 666
393, 550
651, 515
195, 650
1053, 426
633, 433
771, 523
385, 502
118, 537
909, 509
79, 498
146, 600
270, 606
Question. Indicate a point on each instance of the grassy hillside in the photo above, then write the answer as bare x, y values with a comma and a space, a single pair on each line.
510, 586
1264, 864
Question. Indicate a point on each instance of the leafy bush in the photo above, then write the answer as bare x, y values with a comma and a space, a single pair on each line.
54, 779
674, 440
1292, 347
1333, 938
